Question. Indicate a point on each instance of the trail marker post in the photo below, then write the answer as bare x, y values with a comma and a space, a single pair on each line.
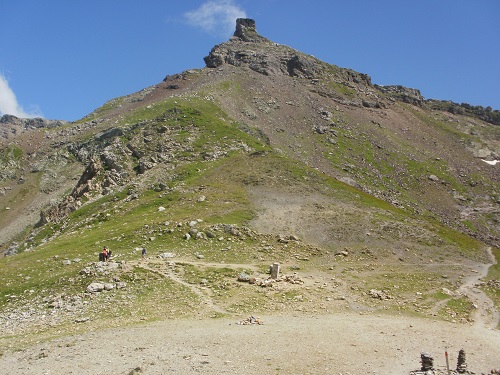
447, 362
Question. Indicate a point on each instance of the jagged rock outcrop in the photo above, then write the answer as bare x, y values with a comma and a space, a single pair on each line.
413, 96
487, 114
248, 48
405, 94
69, 204
30, 123
84, 184
11, 125
12, 250
246, 31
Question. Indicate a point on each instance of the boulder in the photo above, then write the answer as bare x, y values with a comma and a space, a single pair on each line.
95, 288
244, 277
166, 255
109, 286
12, 250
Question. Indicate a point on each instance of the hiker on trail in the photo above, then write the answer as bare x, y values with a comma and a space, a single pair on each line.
108, 255
143, 252
105, 254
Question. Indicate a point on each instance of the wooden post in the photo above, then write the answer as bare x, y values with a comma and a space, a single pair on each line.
447, 362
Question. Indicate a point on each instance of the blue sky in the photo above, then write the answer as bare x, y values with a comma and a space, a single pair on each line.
61, 59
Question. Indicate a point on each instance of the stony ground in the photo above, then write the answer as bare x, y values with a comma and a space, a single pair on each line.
349, 343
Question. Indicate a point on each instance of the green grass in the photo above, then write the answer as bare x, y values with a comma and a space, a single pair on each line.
342, 89
457, 308
467, 245
11, 153
226, 86
439, 296
11, 160
494, 271
103, 110
494, 274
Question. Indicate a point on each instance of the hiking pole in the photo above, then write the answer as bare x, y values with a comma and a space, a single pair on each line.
447, 362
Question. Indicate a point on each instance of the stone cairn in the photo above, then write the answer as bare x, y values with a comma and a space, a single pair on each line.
427, 367
427, 362
461, 364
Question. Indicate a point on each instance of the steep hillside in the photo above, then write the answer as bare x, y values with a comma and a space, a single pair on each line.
371, 198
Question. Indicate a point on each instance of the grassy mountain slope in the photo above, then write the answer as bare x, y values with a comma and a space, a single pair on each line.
266, 155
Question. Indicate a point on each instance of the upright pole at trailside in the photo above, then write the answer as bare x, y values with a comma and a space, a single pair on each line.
447, 362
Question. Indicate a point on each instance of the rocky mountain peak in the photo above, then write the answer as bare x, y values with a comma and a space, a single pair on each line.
246, 31
249, 49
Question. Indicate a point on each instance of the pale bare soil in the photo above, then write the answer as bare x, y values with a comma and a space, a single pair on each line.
283, 344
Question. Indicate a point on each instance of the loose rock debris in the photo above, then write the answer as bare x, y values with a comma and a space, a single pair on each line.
251, 321
269, 282
380, 294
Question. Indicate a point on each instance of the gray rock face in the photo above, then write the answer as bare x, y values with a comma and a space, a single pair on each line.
12, 250
110, 160
248, 48
30, 123
405, 94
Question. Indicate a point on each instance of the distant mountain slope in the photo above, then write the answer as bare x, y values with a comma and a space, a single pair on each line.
387, 141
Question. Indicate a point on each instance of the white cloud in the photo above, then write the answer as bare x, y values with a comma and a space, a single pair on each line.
9, 104
217, 17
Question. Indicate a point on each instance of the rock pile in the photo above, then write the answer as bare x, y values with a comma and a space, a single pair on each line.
427, 362
97, 287
405, 94
270, 281
461, 364
250, 321
380, 294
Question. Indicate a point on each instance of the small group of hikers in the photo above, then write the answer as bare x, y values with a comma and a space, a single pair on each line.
105, 254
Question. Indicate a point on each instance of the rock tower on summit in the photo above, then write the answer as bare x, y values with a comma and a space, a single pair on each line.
246, 31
